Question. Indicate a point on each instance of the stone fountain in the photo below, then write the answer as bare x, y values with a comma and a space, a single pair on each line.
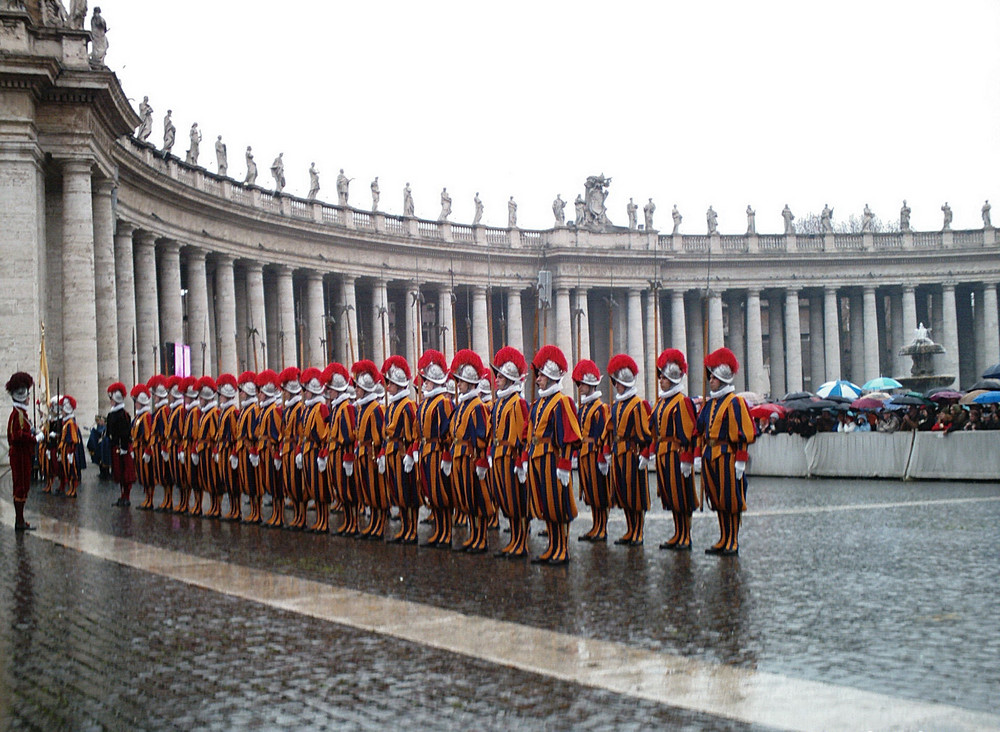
922, 350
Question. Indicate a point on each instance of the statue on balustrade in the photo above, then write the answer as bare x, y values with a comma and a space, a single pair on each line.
54, 14
647, 214
146, 128
581, 207
169, 134
786, 214
633, 215
445, 205
278, 173
946, 209
595, 213
221, 156
251, 177
313, 182
193, 149
343, 182
98, 38
904, 217
477, 218
676, 215
511, 214
867, 220
407, 201
559, 210
751, 221
77, 14
713, 221
826, 219
376, 194
987, 224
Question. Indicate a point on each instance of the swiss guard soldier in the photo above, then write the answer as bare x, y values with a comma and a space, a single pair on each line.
315, 448
726, 429
23, 443
546, 465
371, 417
401, 448
628, 440
508, 419
674, 434
119, 431
205, 452
160, 466
142, 441
340, 436
176, 421
187, 450
50, 464
434, 419
487, 386
227, 462
592, 463
291, 445
469, 450
71, 453
269, 447
248, 427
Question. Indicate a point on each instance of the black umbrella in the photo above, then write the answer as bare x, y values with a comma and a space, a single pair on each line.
794, 395
993, 372
839, 399
909, 401
988, 384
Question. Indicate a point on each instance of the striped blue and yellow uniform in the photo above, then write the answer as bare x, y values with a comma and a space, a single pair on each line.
226, 446
434, 419
371, 484
269, 449
595, 488
208, 468
675, 435
340, 440
468, 450
143, 444
291, 445
507, 423
399, 438
628, 436
315, 441
163, 469
188, 471
248, 428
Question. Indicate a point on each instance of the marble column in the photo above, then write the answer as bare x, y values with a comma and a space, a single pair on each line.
678, 326
171, 305
315, 322
581, 322
793, 341
647, 367
736, 338
286, 319
199, 335
991, 328
817, 371
756, 378
480, 327
380, 322
695, 350
909, 313
716, 332
270, 331
515, 320
242, 307
949, 337
257, 316
563, 336
446, 311
831, 332
776, 342
411, 305
125, 287
104, 286
900, 364
857, 339
225, 313
871, 330
636, 347
147, 321
349, 299
80, 376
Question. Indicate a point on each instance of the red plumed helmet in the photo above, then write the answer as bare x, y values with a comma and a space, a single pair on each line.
366, 375
268, 381
67, 399
247, 377
722, 364
312, 380
206, 386
189, 385
467, 366
509, 363
19, 380
227, 384
433, 366
336, 376
154, 381
671, 355
550, 361
139, 389
118, 386
396, 370
586, 372
291, 373
623, 369
174, 382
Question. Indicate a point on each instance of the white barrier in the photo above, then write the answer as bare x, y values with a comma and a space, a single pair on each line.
965, 455
859, 455
779, 455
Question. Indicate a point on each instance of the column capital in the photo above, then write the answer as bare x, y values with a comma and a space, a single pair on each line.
77, 166
102, 186
831, 288
869, 288
223, 259
282, 270
124, 228
949, 285
314, 275
252, 265
195, 253
143, 238
909, 288
169, 245
346, 277
753, 292
792, 291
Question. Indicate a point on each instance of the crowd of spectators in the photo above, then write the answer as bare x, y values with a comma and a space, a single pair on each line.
926, 418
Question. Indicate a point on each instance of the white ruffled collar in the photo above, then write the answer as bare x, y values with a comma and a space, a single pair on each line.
553, 388
401, 394
368, 397
596, 394
294, 400
514, 388
727, 389
625, 395
117, 408
671, 391
315, 400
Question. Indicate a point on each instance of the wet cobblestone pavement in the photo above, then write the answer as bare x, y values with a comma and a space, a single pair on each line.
881, 586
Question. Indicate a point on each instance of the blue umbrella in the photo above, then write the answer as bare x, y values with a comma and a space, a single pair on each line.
839, 388
993, 372
882, 383
990, 397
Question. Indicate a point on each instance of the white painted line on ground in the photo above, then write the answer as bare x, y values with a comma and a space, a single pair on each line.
755, 697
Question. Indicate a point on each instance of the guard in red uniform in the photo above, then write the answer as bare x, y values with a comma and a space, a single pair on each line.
315, 450
507, 422
401, 448
205, 451
160, 441
551, 434
469, 426
226, 456
143, 447
187, 449
592, 463
725, 430
340, 436
269, 447
291, 445
371, 417
71, 452
434, 418
21, 437
119, 431
674, 435
247, 440
49, 456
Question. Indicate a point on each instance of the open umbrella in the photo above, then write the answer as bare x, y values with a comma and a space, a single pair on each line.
945, 395
793, 395
752, 398
987, 384
867, 403
908, 400
970, 396
993, 372
764, 411
840, 399
882, 383
990, 397
840, 388
880, 395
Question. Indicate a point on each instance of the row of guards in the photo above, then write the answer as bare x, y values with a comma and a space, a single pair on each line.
470, 447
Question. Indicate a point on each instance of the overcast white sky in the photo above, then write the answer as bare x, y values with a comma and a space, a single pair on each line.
695, 103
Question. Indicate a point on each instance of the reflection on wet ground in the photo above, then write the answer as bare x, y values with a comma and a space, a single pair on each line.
894, 599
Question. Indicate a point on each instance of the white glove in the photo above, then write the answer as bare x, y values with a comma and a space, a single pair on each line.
52, 435
697, 465
741, 467
446, 468
522, 474
180, 457
234, 462
277, 463
122, 451
70, 458
164, 455
603, 466
480, 472
321, 464
39, 438
563, 476
194, 458
576, 463
381, 464
48, 454
215, 457
146, 457
407, 463
298, 460
643, 463
349, 468
686, 469
489, 459
254, 459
